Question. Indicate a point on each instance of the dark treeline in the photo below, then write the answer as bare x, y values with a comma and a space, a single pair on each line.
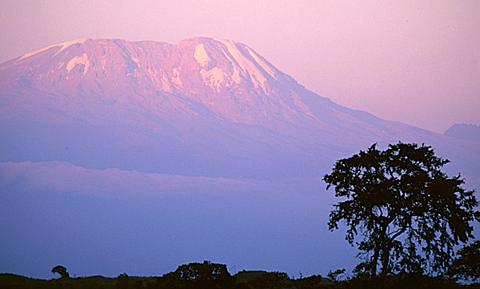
208, 275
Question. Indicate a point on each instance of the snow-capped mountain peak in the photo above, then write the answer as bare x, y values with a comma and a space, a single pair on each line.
226, 77
221, 63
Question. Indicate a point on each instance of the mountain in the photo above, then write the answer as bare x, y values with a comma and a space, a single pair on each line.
108, 143
464, 131
204, 107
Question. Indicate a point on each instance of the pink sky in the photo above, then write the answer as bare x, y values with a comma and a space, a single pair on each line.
413, 61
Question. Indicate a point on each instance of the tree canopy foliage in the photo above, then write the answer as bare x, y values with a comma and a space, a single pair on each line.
62, 271
402, 212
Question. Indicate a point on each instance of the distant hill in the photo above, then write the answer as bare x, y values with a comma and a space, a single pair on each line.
464, 131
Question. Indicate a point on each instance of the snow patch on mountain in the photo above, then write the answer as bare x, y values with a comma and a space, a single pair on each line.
63, 46
201, 55
246, 65
176, 78
214, 77
79, 60
265, 66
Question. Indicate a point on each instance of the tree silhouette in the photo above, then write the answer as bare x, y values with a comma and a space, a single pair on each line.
402, 212
467, 264
62, 270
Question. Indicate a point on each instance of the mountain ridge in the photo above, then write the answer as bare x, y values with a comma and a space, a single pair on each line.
87, 67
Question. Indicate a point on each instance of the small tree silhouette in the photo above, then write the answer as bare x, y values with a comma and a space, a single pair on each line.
62, 271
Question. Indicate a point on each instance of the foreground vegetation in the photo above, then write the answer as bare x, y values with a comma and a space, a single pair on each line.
208, 275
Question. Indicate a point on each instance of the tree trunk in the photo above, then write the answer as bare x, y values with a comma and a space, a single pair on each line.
386, 257
373, 270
